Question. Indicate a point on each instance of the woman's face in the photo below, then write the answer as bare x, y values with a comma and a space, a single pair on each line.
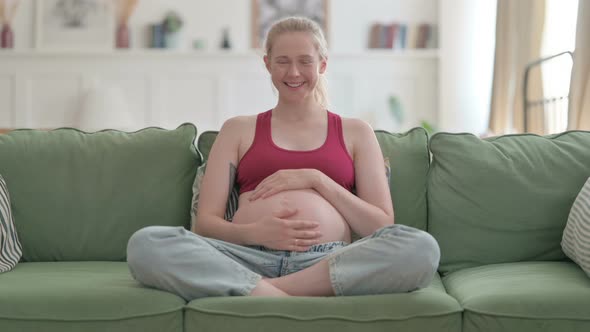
294, 66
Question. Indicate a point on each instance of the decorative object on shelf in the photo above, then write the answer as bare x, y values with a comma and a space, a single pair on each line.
6, 36
122, 39
7, 12
199, 44
157, 35
74, 24
265, 12
225, 40
124, 10
403, 36
172, 26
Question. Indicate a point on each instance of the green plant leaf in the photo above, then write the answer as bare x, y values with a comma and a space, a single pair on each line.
395, 107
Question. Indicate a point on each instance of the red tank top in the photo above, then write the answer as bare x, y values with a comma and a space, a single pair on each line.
264, 158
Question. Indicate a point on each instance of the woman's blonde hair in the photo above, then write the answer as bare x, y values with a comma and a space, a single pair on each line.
302, 24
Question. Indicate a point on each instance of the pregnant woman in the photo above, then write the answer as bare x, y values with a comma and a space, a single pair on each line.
297, 166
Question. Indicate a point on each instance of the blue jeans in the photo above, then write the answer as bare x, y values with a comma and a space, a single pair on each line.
394, 259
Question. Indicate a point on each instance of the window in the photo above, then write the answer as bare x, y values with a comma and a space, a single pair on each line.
559, 35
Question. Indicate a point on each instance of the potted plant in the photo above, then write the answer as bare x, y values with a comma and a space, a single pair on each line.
172, 25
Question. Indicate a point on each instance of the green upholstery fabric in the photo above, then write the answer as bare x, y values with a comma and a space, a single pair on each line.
83, 296
503, 199
79, 196
205, 142
429, 309
409, 160
529, 296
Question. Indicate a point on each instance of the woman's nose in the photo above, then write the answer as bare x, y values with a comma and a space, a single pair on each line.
293, 70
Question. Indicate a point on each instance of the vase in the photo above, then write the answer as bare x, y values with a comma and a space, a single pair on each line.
122, 40
6, 36
172, 40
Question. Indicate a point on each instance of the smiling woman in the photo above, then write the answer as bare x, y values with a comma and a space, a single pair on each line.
297, 60
305, 185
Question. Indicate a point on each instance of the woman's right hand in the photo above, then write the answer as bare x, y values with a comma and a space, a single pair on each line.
280, 233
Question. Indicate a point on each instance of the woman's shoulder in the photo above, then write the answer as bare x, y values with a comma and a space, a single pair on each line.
356, 128
240, 120
238, 124
238, 129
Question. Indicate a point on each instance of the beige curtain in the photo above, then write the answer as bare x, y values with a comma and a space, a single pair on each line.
519, 33
579, 105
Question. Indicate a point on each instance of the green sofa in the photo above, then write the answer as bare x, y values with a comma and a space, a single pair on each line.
497, 207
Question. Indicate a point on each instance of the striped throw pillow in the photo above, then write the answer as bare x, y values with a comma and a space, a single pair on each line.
232, 200
576, 236
10, 248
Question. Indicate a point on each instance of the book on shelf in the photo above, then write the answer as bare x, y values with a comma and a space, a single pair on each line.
374, 35
399, 36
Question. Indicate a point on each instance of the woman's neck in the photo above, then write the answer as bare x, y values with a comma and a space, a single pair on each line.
299, 111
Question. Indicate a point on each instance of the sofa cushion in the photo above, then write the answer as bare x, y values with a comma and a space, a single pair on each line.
408, 156
232, 199
79, 196
83, 296
576, 236
527, 296
503, 199
428, 309
10, 248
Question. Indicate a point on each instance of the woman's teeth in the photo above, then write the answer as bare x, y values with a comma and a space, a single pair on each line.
294, 85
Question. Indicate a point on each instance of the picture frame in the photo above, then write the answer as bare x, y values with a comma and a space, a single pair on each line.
265, 12
74, 25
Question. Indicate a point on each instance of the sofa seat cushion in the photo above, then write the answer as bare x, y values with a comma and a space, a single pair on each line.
83, 296
525, 296
428, 309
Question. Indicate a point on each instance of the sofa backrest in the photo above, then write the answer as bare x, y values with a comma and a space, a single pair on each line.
503, 199
80, 196
409, 160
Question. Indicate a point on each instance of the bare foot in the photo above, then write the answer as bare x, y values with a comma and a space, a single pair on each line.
265, 288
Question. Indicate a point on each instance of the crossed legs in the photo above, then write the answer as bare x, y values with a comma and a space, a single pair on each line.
312, 281
394, 259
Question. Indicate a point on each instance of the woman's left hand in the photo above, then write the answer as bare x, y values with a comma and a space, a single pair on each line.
286, 179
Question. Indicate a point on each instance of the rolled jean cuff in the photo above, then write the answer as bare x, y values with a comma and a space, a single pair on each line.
252, 280
334, 278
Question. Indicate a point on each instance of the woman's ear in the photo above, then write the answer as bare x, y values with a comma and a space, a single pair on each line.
323, 65
267, 63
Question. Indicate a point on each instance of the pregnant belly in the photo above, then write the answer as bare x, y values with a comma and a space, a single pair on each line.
310, 206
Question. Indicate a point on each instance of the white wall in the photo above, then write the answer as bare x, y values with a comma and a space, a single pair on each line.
466, 37
467, 40
349, 20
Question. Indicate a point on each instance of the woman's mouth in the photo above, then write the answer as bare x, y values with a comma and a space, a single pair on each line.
294, 85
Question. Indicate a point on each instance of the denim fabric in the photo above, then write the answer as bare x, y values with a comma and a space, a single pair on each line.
395, 258
287, 262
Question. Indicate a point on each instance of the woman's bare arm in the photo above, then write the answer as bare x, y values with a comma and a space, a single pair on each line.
371, 208
216, 186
